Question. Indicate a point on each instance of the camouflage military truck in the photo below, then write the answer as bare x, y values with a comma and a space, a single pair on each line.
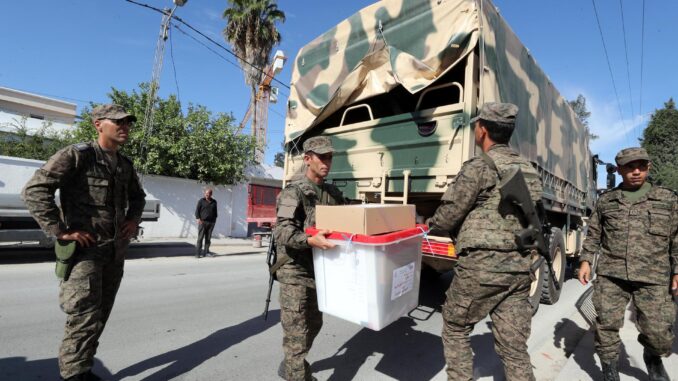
394, 87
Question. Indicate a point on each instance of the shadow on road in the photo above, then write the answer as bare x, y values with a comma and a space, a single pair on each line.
184, 359
586, 360
18, 368
407, 354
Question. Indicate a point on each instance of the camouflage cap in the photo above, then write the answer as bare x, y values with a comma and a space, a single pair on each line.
628, 155
111, 111
318, 144
497, 112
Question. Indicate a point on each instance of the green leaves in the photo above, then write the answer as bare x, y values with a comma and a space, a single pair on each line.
661, 141
38, 145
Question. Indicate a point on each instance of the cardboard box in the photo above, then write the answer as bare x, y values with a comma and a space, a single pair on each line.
368, 219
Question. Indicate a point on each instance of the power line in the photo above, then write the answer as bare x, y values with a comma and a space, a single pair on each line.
609, 67
642, 53
212, 41
215, 52
174, 68
626, 52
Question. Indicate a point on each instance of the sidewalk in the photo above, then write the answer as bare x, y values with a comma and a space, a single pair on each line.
186, 246
145, 248
583, 364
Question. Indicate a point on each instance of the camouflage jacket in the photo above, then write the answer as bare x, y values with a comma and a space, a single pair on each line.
295, 212
470, 212
637, 241
93, 198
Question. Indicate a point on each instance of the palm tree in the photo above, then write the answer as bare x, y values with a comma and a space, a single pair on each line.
251, 31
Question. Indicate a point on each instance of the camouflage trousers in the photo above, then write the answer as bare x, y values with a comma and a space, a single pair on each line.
473, 295
87, 299
301, 321
655, 315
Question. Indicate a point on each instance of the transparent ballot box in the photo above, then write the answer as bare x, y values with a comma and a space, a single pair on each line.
371, 280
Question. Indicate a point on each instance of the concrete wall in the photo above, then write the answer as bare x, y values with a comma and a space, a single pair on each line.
179, 197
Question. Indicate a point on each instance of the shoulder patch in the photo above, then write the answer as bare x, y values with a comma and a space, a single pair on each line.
82, 146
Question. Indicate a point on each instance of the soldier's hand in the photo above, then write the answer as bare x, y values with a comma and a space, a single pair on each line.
674, 285
320, 241
83, 238
584, 273
128, 229
199, 221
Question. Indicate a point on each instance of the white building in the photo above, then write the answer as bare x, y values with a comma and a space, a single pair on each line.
38, 110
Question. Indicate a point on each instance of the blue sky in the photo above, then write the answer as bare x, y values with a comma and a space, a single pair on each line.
78, 49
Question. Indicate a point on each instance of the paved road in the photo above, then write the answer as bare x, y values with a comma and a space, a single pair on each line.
181, 318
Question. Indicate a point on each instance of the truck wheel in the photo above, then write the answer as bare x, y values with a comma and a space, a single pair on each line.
550, 293
536, 286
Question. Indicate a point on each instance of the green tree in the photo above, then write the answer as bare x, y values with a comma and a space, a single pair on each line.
37, 145
198, 146
251, 31
660, 140
583, 114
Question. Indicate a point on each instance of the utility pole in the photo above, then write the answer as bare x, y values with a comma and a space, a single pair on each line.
258, 107
155, 75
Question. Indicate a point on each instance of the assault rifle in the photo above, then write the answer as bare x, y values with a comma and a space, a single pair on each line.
271, 259
514, 192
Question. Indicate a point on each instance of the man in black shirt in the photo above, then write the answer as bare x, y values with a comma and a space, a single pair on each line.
206, 215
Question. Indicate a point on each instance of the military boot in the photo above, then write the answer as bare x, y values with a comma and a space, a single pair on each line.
655, 367
610, 371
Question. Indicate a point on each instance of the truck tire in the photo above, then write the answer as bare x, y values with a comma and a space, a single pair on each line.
550, 293
536, 287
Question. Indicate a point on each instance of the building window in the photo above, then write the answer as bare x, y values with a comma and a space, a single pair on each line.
36, 116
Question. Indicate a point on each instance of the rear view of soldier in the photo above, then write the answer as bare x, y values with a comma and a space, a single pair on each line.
101, 206
492, 275
634, 227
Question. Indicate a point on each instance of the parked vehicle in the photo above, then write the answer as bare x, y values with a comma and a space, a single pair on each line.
261, 199
16, 223
395, 85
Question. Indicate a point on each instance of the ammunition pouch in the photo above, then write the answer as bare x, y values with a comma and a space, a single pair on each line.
65, 253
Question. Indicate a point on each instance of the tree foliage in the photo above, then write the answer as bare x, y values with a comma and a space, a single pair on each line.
22, 142
251, 31
198, 145
661, 142
583, 114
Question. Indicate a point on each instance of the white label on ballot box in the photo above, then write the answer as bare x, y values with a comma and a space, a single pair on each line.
403, 280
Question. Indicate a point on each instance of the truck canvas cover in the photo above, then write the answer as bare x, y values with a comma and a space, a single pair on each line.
413, 43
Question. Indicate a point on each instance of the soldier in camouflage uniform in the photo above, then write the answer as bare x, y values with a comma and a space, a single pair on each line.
101, 206
634, 228
301, 320
492, 276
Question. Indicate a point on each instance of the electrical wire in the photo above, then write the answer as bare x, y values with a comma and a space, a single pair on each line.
216, 53
626, 52
174, 68
642, 56
609, 67
212, 41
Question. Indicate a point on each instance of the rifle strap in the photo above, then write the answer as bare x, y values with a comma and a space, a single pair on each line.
279, 263
488, 160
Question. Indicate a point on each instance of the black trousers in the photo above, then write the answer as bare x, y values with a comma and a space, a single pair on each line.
204, 233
